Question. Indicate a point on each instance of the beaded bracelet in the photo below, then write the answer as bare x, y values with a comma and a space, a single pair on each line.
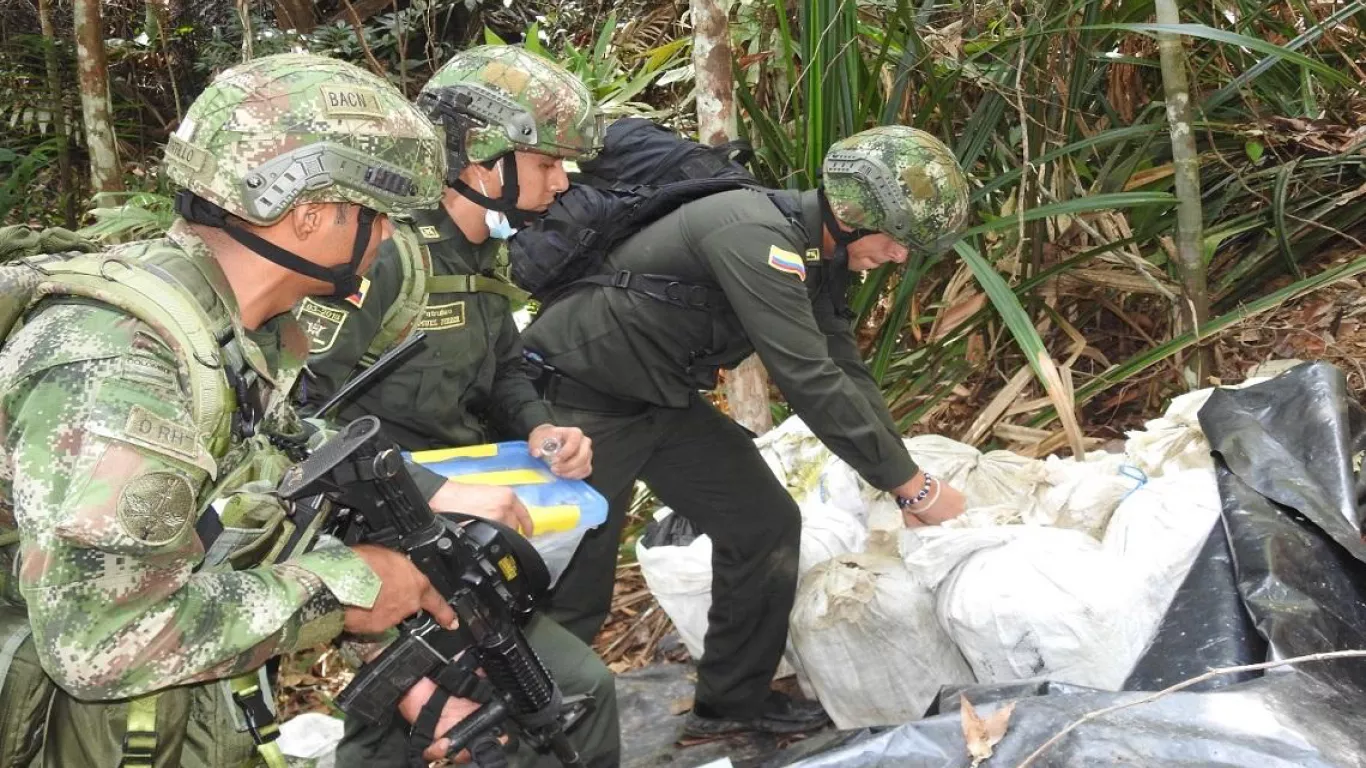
905, 503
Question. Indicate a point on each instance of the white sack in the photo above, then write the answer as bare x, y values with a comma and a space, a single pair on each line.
680, 579
1082, 495
986, 479
827, 532
1175, 441
865, 636
1159, 530
1048, 604
680, 576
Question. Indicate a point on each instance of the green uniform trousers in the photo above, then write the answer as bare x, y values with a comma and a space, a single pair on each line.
705, 467
576, 669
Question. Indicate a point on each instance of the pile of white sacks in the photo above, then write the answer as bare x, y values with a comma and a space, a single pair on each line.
1060, 569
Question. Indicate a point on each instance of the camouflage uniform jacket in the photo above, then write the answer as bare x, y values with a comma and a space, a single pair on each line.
104, 473
778, 303
467, 386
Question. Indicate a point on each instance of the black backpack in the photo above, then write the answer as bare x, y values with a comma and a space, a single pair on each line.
639, 152
643, 172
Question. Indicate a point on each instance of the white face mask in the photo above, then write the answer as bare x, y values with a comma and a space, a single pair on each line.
497, 221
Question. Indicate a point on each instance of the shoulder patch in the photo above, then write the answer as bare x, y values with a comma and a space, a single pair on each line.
320, 323
786, 261
155, 507
442, 317
358, 298
429, 232
149, 428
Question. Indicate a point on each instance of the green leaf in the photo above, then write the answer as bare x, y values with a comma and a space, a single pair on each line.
1254, 150
492, 38
661, 55
1026, 336
1233, 38
1115, 201
605, 35
1278, 203
533, 41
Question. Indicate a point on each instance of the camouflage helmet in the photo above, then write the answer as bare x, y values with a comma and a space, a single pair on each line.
900, 181
282, 130
496, 99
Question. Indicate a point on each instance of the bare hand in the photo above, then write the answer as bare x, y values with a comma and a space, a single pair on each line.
574, 459
944, 502
454, 710
491, 502
403, 592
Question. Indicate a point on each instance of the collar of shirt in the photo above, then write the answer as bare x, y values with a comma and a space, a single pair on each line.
453, 253
810, 205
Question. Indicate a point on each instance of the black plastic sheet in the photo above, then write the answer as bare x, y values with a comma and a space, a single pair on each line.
1205, 627
1286, 561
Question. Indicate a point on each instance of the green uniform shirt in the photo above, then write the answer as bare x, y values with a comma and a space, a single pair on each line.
467, 385
634, 347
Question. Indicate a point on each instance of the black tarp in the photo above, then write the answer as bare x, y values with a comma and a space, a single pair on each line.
1282, 575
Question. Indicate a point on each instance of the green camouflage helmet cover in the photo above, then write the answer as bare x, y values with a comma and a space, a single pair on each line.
900, 181
512, 99
292, 128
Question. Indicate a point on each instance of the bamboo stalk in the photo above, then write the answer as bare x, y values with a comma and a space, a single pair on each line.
1193, 310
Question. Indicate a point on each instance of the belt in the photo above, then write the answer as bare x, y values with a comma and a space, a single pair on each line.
559, 389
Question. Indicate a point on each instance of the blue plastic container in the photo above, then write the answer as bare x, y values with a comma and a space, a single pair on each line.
556, 504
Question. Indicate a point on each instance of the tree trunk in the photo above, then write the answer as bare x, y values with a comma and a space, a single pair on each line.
746, 387
1190, 262
296, 14
65, 188
93, 77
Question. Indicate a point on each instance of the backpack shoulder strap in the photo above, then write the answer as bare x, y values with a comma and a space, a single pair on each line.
177, 319
415, 260
654, 204
476, 284
664, 288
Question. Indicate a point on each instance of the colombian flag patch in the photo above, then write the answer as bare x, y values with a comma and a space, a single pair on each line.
358, 298
786, 261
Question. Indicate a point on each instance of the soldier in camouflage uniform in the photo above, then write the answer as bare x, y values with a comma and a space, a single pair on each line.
511, 119
627, 367
136, 591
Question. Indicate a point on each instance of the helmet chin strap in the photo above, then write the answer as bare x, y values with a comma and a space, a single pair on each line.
506, 203
838, 233
344, 278
839, 261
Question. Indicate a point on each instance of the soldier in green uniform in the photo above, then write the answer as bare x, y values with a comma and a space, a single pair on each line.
143, 398
625, 362
511, 120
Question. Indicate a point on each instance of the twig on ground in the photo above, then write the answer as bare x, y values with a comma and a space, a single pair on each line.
1213, 673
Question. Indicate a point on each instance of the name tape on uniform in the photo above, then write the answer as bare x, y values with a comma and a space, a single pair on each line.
442, 317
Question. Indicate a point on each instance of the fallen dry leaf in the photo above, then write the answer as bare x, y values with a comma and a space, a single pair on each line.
981, 735
680, 706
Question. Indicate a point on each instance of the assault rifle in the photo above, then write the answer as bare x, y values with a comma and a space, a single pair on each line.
489, 575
